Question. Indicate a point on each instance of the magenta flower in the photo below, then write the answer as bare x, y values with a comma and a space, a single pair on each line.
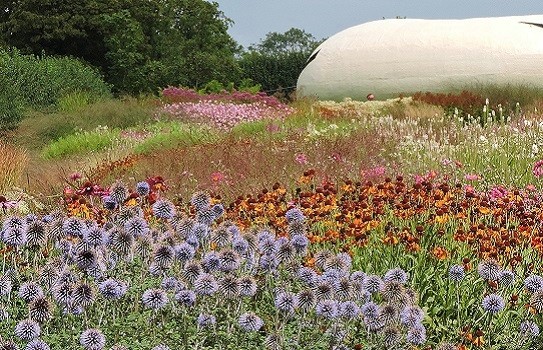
5, 204
472, 177
538, 168
301, 159
498, 192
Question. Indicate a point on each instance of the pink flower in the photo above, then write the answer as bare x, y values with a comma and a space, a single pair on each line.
301, 159
538, 168
337, 157
469, 189
472, 177
75, 176
217, 177
5, 204
446, 162
530, 188
498, 192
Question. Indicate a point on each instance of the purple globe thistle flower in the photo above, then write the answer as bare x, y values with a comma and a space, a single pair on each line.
200, 200
388, 314
83, 294
267, 246
250, 322
184, 252
74, 227
109, 203
529, 328
306, 299
296, 229
493, 303
118, 192
264, 235
396, 275
62, 293
185, 297
205, 217
205, 320
247, 286
489, 270
217, 210
9, 345
349, 310
411, 316
192, 270
336, 262
112, 289
533, 283
206, 284
456, 273
536, 300
374, 324
416, 335
229, 259
154, 298
92, 339
95, 236
40, 310
285, 251
35, 233
123, 242
30, 291
286, 302
333, 276
370, 309
294, 215
373, 283
14, 237
327, 308
507, 278
35, 344
169, 283
221, 236
391, 336
14, 222
229, 287
268, 262
163, 256
163, 209
300, 244
308, 276
136, 226
5, 285
143, 188
240, 245
86, 260
28, 329
345, 259
324, 290
211, 261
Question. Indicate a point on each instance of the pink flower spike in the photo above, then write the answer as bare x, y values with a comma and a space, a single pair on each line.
538, 168
301, 159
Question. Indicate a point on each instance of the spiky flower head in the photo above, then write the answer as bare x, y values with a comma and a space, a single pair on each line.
92, 339
373, 283
411, 316
306, 299
416, 335
229, 260
240, 245
217, 210
86, 260
184, 252
30, 291
163, 256
457, 273
200, 200
296, 228
205, 217
37, 344
370, 309
286, 302
247, 286
396, 275
83, 294
493, 303
529, 328
307, 275
5, 285
327, 308
154, 298
74, 227
206, 284
28, 329
40, 310
295, 215
489, 270
300, 244
324, 290
388, 314
250, 322
8, 345
143, 188
109, 203
507, 278
136, 226
112, 288
349, 310
192, 270
14, 222
391, 336
185, 297
229, 287
205, 320
95, 236
533, 283
163, 209
536, 300
122, 241
118, 192
35, 233
14, 236
211, 261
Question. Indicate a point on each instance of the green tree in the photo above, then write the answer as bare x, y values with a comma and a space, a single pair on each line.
277, 60
139, 45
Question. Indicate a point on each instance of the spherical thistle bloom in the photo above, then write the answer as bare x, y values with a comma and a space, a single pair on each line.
457, 273
396, 275
205, 320
95, 236
393, 291
136, 226
83, 294
300, 244
388, 314
507, 278
250, 322
185, 297
36, 344
308, 276
221, 237
306, 299
374, 324
373, 283
4, 314
217, 210
184, 227
86, 260
529, 328
14, 237
163, 256
267, 246
199, 232
5, 285
111, 289
184, 252
211, 261
343, 289
446, 346
123, 242
14, 222
240, 245
143, 188
533, 283
294, 215
493, 303
327, 308
335, 262
35, 233
324, 290
536, 300
92, 339
391, 336
74, 227
349, 310
118, 192
411, 316
163, 209
200, 200
286, 252
206, 284
8, 345
272, 342
268, 262
62, 293
416, 335
229, 287
205, 217
489, 270
192, 270
40, 310
30, 291
333, 276
286, 302
154, 298
229, 260
28, 329
109, 203
247, 286
170, 283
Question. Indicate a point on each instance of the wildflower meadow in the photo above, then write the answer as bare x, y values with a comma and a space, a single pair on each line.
237, 220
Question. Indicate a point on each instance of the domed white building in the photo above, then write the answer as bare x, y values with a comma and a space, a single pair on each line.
389, 57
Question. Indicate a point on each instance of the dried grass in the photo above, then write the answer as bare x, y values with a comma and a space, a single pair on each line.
13, 162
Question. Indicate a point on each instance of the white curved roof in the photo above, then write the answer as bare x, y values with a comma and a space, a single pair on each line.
395, 56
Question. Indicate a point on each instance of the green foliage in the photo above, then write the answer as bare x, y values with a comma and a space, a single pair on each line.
277, 61
139, 45
11, 108
80, 143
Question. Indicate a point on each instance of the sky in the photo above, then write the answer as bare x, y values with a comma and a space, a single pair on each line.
253, 19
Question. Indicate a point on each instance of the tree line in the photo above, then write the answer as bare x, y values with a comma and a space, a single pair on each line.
140, 46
